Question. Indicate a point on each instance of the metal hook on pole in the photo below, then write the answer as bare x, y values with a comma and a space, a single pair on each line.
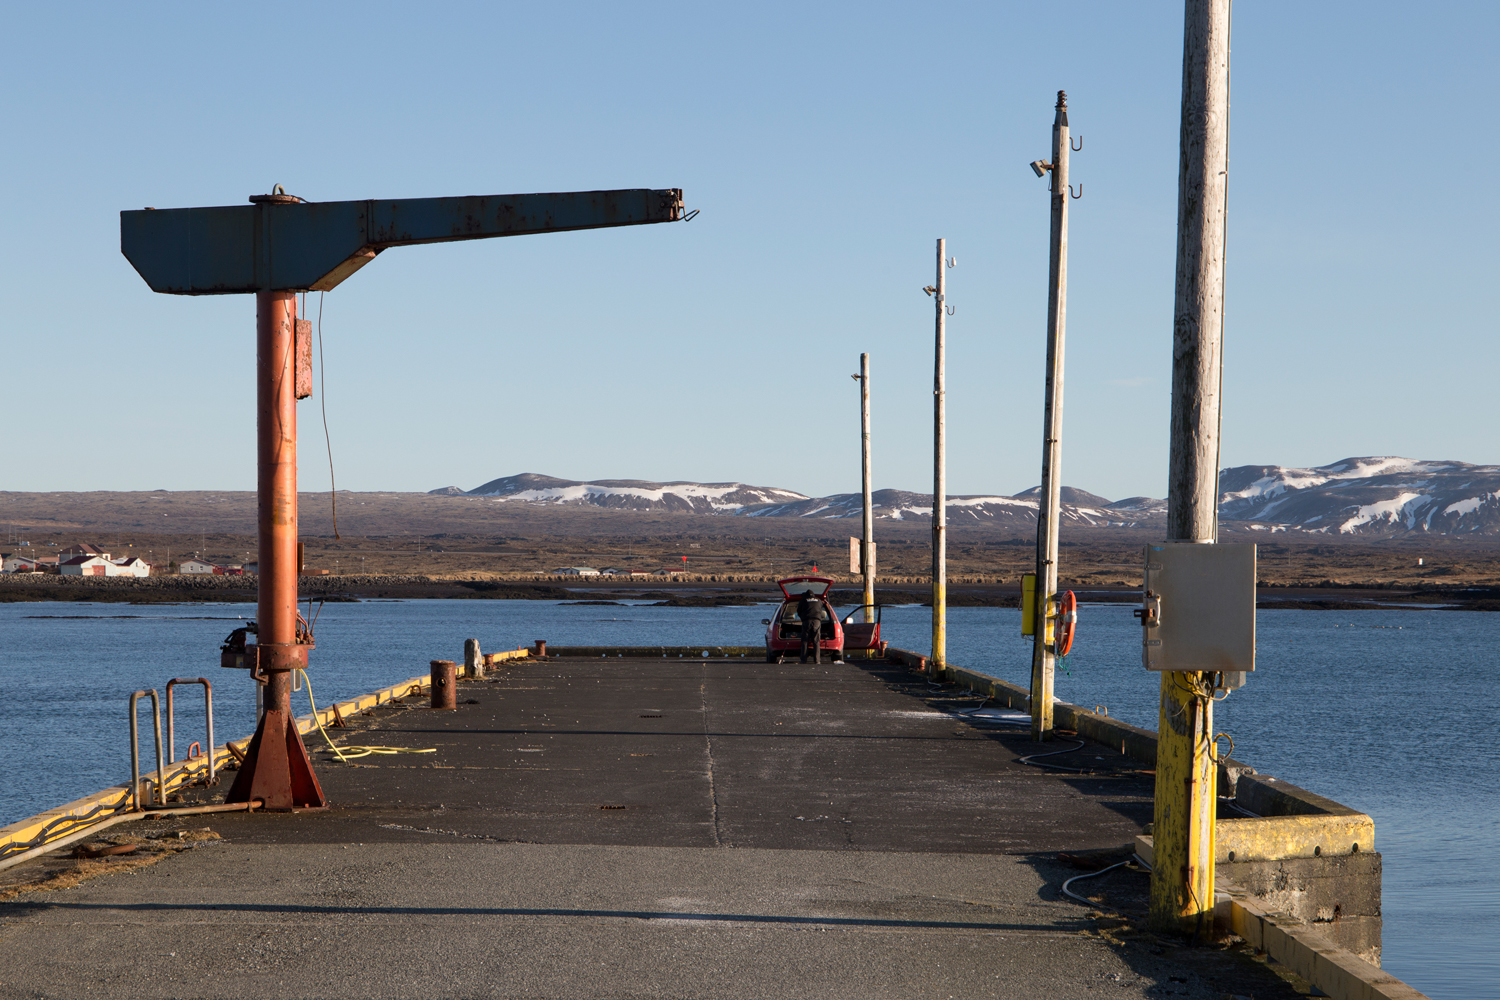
1080, 190
951, 310
1078, 148
952, 261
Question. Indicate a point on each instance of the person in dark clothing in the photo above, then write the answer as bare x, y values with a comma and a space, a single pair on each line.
810, 611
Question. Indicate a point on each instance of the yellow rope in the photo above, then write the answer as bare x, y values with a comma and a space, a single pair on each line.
349, 753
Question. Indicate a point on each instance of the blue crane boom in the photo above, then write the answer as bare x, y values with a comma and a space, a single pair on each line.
284, 244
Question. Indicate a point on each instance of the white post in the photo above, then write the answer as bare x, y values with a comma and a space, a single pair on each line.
939, 478
867, 540
1049, 503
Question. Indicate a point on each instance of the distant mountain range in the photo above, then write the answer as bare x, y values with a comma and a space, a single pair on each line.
1365, 496
1359, 496
630, 494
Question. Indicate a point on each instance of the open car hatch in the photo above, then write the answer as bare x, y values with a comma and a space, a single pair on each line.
795, 586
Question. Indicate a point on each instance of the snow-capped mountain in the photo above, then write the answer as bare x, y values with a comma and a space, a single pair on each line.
1079, 507
1377, 495
1357, 496
631, 494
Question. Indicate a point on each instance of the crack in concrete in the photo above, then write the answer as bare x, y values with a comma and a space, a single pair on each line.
708, 740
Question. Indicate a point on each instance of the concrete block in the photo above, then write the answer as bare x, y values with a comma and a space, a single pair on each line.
1339, 896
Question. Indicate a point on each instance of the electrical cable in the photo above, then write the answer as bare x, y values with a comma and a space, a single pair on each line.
348, 753
1028, 759
1089, 902
333, 496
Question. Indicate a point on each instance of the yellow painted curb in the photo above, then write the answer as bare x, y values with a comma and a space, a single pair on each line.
1338, 973
83, 813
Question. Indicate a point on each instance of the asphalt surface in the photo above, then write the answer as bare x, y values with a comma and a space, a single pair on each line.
644, 828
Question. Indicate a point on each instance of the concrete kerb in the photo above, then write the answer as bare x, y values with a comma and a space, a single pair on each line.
80, 814
1290, 823
1312, 956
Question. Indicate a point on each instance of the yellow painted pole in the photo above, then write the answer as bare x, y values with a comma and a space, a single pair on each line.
1182, 876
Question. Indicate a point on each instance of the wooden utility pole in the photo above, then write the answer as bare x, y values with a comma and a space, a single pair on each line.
1182, 876
867, 538
940, 476
1049, 502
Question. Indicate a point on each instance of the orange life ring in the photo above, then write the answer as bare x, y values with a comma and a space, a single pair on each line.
1067, 623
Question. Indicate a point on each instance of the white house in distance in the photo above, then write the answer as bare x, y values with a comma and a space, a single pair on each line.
576, 571
131, 566
195, 565
14, 562
86, 565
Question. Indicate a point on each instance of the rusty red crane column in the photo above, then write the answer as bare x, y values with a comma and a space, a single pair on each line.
277, 769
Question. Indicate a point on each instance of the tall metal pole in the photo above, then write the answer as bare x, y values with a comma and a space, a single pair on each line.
277, 769
867, 539
1049, 503
940, 478
276, 447
1182, 877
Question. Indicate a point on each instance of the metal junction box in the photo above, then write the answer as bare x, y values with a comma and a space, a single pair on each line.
1199, 608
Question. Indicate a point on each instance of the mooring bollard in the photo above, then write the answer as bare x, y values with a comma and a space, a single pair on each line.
540, 648
444, 684
473, 660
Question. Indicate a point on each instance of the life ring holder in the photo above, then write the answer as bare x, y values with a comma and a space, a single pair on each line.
1067, 623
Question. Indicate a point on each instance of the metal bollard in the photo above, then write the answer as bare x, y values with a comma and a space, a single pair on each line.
473, 659
444, 684
208, 710
539, 649
135, 752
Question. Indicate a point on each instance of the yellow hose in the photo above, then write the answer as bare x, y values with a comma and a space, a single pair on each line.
348, 753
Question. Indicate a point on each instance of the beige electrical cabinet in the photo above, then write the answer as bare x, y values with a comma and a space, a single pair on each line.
1199, 608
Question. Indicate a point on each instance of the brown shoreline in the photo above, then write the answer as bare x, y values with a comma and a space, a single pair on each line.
682, 592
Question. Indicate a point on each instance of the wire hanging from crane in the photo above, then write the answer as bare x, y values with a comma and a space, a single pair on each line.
333, 496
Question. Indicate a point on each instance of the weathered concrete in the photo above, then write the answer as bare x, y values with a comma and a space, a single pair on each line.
1340, 896
645, 827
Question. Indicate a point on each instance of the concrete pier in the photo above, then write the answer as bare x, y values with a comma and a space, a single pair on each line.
630, 827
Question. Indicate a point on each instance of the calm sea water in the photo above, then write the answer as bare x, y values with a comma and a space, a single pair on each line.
1387, 712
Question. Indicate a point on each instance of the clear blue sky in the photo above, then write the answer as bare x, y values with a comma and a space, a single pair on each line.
827, 146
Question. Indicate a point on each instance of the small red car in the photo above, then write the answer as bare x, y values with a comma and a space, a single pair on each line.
784, 628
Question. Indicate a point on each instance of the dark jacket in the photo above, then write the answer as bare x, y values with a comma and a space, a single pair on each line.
810, 608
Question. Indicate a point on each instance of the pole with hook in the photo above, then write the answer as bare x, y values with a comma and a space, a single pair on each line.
867, 540
1049, 500
940, 470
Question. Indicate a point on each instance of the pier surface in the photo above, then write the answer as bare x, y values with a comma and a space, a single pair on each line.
645, 827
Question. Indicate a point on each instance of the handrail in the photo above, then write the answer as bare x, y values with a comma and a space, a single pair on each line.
135, 751
208, 708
